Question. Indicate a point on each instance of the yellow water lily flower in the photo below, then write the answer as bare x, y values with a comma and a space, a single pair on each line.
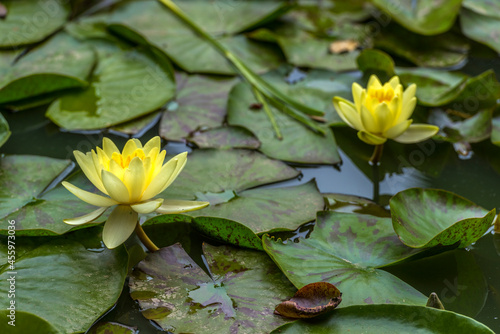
130, 179
382, 112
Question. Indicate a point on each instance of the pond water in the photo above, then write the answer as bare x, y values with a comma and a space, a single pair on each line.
467, 281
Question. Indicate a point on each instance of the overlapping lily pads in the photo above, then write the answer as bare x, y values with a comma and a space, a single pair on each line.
239, 296
47, 275
347, 250
125, 84
380, 319
425, 218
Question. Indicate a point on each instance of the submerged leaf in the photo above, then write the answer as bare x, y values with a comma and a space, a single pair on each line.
310, 301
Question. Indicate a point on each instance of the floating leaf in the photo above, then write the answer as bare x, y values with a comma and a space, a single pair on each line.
31, 21
125, 84
379, 319
372, 61
60, 63
4, 130
138, 126
480, 26
347, 250
88, 281
354, 204
425, 218
200, 104
113, 328
427, 17
25, 322
471, 130
176, 293
225, 138
310, 301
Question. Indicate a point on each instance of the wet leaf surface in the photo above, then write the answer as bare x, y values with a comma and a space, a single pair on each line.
310, 301
429, 217
347, 250
480, 27
225, 138
239, 297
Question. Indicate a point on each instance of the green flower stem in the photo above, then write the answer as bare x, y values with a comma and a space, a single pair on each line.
268, 111
377, 155
255, 80
145, 239
376, 183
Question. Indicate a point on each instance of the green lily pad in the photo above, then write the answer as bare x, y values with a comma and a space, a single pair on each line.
471, 130
25, 323
427, 17
348, 251
299, 144
239, 296
480, 92
38, 212
480, 27
88, 281
126, 84
444, 50
4, 130
259, 211
113, 328
138, 125
373, 61
200, 104
380, 319
60, 63
31, 21
216, 174
428, 217
354, 204
163, 30
225, 138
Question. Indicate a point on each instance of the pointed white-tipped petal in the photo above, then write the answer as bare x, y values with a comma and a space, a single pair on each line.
119, 226
160, 180
148, 206
370, 138
115, 187
86, 218
134, 179
397, 130
89, 197
417, 133
109, 147
177, 206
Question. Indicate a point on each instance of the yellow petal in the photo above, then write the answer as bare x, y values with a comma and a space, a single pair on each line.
417, 133
370, 138
130, 147
181, 162
357, 90
374, 82
109, 147
86, 163
397, 130
407, 109
409, 93
370, 124
157, 165
384, 118
394, 82
147, 206
134, 179
116, 169
119, 226
89, 197
154, 142
115, 187
86, 218
176, 206
159, 181
347, 112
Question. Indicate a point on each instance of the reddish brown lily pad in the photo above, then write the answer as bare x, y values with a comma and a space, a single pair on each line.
310, 301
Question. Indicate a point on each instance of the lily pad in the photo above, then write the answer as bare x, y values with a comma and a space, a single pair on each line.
4, 130
354, 204
380, 319
348, 251
38, 212
258, 211
427, 17
215, 174
372, 61
200, 104
25, 323
238, 297
126, 84
310, 301
138, 126
88, 281
31, 21
471, 130
113, 328
225, 138
425, 218
480, 27
60, 63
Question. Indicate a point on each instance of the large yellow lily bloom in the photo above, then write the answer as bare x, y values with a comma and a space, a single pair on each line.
130, 179
382, 112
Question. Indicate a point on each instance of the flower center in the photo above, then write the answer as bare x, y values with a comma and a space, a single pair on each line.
381, 95
125, 161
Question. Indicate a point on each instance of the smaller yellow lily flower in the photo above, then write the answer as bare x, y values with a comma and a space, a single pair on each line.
382, 112
131, 179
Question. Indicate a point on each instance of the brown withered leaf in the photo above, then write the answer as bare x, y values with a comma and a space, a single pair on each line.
347, 45
310, 301
434, 302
